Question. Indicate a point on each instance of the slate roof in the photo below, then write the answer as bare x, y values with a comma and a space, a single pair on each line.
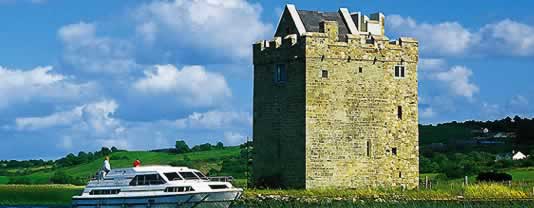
311, 20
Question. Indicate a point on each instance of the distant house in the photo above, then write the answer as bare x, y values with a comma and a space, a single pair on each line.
511, 156
519, 156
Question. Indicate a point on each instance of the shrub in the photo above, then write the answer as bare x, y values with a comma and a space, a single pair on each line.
493, 177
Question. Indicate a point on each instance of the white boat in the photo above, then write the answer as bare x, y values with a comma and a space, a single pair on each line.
157, 186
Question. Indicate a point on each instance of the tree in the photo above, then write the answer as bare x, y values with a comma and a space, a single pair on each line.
219, 145
114, 149
202, 147
181, 147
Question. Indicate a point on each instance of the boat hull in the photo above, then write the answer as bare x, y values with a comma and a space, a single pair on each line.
222, 199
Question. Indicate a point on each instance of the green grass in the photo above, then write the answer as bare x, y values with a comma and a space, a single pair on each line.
4, 179
37, 194
522, 174
203, 160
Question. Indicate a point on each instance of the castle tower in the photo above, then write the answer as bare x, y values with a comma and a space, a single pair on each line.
335, 103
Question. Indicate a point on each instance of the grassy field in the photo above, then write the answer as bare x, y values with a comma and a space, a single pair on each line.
37, 194
4, 179
203, 160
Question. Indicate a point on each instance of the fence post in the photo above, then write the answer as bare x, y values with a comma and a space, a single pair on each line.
426, 182
466, 181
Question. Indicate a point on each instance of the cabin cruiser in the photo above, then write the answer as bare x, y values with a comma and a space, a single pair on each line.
157, 186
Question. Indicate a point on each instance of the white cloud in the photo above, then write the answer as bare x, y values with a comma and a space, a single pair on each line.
233, 138
191, 84
93, 117
18, 86
86, 51
427, 113
457, 80
519, 100
508, 37
208, 24
93, 125
447, 38
431, 64
215, 120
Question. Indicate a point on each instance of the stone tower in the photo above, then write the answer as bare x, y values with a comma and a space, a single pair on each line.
335, 103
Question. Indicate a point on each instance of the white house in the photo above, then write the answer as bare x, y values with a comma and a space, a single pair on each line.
519, 156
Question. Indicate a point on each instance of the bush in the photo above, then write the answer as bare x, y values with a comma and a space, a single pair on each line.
60, 177
493, 177
20, 180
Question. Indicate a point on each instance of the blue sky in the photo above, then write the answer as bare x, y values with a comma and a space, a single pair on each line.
78, 75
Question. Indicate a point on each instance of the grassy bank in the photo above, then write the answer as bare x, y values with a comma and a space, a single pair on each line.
61, 195
472, 192
202, 160
38, 194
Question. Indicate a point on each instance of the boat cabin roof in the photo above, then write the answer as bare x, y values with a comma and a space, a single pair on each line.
148, 170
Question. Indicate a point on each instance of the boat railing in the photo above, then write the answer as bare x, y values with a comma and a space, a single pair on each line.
221, 178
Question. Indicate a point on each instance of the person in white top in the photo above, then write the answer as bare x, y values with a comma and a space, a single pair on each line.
106, 167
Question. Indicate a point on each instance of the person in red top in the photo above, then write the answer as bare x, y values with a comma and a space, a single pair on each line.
137, 163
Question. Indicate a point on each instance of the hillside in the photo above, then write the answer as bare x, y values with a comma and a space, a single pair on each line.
207, 161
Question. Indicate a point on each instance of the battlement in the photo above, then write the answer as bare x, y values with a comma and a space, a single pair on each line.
338, 28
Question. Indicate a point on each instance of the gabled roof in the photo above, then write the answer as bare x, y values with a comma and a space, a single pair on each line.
311, 20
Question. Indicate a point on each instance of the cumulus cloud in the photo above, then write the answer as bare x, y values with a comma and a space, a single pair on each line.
234, 138
215, 120
427, 113
94, 117
93, 125
508, 37
86, 51
458, 81
191, 84
40, 83
204, 24
431, 64
447, 38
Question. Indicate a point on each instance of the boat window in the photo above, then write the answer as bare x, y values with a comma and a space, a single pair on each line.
179, 189
150, 179
173, 176
105, 192
201, 176
188, 175
218, 186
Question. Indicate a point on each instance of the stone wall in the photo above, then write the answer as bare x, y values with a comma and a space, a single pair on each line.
355, 108
278, 118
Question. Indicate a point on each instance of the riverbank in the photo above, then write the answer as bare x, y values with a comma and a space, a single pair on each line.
60, 195
42, 195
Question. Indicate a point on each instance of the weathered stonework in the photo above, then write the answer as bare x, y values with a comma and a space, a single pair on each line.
342, 130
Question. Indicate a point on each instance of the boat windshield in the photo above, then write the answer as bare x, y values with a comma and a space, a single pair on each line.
172, 176
189, 175
150, 179
201, 176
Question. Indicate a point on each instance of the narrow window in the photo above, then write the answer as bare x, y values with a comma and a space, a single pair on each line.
280, 73
368, 149
399, 112
400, 174
360, 70
324, 73
394, 151
399, 71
